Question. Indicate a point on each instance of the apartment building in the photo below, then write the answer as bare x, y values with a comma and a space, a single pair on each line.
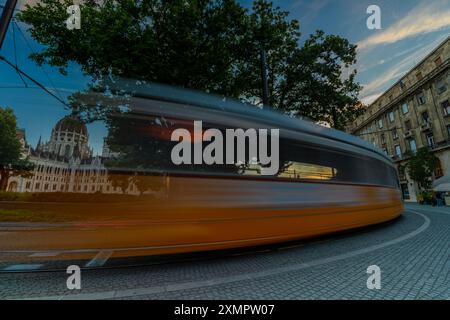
413, 113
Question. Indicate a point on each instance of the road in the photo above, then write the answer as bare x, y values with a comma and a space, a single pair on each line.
413, 253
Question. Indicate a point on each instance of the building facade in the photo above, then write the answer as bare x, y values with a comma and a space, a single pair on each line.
411, 114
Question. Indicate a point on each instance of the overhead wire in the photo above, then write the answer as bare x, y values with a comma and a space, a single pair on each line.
22, 73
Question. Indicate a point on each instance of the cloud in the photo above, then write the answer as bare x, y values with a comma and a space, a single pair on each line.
367, 100
382, 82
310, 10
425, 18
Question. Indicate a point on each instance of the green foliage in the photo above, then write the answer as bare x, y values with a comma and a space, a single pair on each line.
421, 167
11, 161
9, 143
209, 45
425, 196
313, 84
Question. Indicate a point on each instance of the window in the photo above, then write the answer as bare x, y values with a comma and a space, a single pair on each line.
391, 116
297, 170
441, 86
383, 138
421, 98
402, 85
398, 151
405, 191
438, 172
405, 108
438, 61
412, 145
380, 123
394, 134
446, 106
408, 125
385, 151
310, 163
402, 172
448, 129
425, 117
430, 140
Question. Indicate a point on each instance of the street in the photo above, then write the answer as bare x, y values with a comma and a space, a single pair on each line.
412, 252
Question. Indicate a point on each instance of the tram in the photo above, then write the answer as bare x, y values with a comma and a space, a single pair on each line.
327, 181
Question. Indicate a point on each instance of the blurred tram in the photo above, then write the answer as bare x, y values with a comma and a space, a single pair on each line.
328, 181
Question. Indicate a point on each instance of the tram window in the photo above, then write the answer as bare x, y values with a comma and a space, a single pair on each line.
335, 165
297, 170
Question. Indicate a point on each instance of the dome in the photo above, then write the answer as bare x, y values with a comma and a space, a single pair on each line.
71, 124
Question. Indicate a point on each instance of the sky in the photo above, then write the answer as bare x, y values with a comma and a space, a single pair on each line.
409, 31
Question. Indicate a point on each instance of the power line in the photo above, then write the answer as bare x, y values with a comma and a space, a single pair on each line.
6, 16
34, 81
15, 54
31, 49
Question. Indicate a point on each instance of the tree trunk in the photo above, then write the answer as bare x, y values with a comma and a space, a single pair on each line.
4, 177
335, 118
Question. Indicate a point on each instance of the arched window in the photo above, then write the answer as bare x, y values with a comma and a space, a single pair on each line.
12, 186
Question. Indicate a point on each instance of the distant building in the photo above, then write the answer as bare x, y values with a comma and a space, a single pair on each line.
65, 163
413, 113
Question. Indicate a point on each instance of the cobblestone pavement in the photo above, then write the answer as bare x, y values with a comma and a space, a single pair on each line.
413, 253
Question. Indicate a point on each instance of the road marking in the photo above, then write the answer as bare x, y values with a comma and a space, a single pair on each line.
100, 259
241, 277
22, 267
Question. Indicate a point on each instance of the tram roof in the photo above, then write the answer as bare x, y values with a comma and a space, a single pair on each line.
189, 99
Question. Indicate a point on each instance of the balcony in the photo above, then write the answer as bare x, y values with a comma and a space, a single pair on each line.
425, 127
440, 144
408, 134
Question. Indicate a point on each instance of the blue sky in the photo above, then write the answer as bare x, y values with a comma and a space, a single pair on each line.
410, 30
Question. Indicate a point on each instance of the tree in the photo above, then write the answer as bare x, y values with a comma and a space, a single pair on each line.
12, 162
421, 168
313, 84
192, 44
209, 45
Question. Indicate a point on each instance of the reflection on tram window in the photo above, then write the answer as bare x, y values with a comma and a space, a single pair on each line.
297, 170
342, 167
70, 156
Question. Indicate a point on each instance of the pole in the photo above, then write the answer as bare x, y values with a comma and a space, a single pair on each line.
335, 118
265, 84
7, 15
